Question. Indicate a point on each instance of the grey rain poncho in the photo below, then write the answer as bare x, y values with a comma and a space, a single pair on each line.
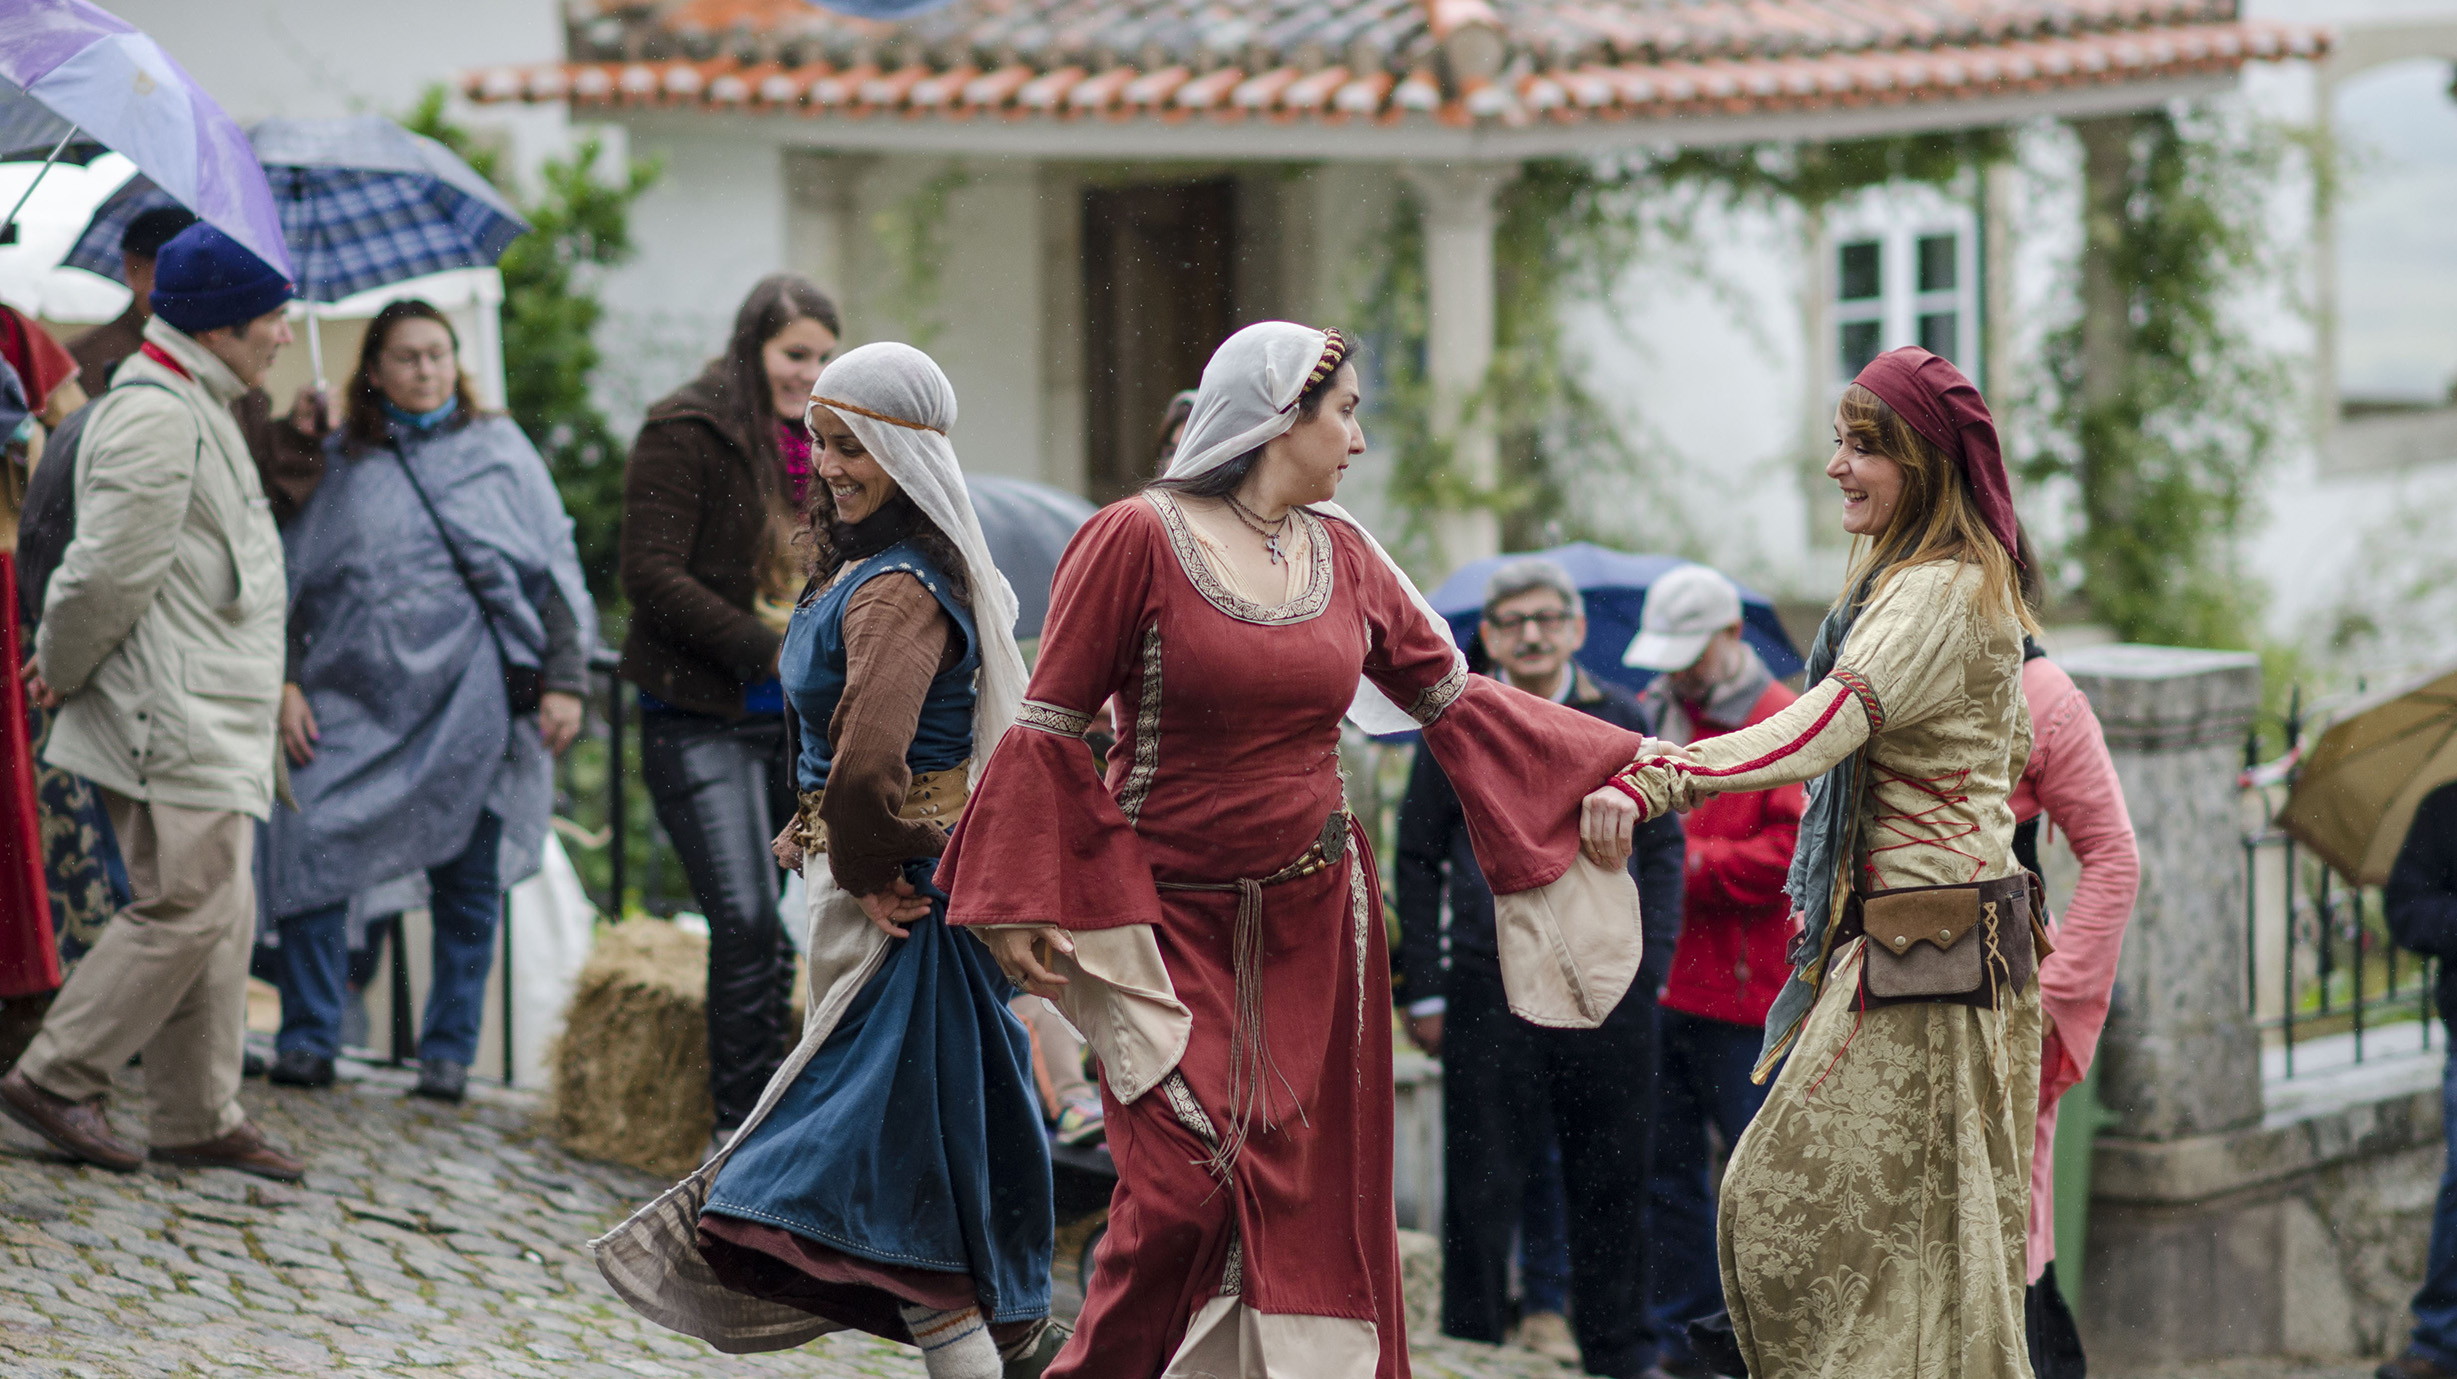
407, 690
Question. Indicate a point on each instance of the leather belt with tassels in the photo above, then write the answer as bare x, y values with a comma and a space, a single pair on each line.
1249, 1057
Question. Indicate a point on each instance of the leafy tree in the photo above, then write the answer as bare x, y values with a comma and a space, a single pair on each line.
2165, 412
1568, 232
581, 227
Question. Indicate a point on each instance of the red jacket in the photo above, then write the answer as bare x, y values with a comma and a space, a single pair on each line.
1735, 917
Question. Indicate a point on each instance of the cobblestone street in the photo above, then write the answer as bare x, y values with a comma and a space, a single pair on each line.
425, 1241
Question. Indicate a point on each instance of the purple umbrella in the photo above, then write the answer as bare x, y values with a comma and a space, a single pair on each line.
103, 78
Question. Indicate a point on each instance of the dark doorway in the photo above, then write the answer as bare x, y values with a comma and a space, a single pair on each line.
1159, 297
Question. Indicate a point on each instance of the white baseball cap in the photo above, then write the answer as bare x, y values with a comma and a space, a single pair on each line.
1684, 611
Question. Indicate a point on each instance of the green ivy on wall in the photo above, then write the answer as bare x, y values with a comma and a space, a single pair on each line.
912, 233
1569, 231
2157, 404
2163, 447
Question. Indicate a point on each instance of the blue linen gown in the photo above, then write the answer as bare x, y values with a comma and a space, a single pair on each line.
913, 1138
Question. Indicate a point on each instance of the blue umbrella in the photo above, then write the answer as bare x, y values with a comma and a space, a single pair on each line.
110, 85
363, 203
1027, 526
1615, 584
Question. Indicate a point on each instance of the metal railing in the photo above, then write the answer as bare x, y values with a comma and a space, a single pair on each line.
2323, 976
403, 1034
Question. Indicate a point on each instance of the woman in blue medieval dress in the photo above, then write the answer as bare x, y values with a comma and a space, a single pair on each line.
894, 1178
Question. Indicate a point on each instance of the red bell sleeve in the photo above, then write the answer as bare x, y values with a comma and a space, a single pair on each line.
1521, 764
1041, 840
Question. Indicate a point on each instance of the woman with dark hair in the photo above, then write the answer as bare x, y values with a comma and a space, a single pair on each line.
1172, 430
718, 478
439, 632
893, 1178
1875, 1216
1208, 916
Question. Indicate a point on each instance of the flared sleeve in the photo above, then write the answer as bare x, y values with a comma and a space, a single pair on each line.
1902, 663
1568, 930
1042, 841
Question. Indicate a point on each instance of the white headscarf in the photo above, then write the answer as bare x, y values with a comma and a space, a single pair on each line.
1249, 395
899, 403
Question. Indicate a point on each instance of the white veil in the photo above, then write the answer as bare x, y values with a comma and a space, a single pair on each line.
1249, 395
899, 402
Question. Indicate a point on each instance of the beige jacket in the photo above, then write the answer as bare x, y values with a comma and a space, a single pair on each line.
163, 625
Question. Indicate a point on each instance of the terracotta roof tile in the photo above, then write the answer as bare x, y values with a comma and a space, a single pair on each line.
1456, 61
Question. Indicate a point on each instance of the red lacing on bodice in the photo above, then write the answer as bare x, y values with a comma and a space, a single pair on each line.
1947, 790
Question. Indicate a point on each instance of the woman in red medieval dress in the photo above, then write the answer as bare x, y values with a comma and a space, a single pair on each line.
1209, 917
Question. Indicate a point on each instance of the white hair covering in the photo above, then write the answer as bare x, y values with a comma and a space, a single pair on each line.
899, 403
1249, 395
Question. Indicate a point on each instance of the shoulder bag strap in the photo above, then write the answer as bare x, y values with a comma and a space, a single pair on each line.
452, 548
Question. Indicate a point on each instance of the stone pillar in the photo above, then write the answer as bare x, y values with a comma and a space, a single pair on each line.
820, 225
1460, 217
2179, 1265
2180, 1056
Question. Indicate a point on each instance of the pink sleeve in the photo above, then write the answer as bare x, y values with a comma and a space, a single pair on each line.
2077, 788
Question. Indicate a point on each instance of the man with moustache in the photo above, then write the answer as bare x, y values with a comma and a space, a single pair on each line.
1508, 1084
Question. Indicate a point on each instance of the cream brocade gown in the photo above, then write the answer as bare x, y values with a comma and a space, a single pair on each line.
1874, 1216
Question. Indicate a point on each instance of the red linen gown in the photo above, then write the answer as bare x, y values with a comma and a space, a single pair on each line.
1227, 767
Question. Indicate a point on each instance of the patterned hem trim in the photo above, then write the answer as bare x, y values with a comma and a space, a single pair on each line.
1050, 718
1189, 1111
1138, 785
1207, 582
1858, 684
1439, 695
1359, 910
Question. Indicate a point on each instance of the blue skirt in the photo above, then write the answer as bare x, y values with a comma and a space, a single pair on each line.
914, 1138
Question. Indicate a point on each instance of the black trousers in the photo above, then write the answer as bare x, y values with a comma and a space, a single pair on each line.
1501, 1076
722, 791
2055, 1344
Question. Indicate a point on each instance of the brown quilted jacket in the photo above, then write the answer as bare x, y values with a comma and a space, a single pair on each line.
694, 519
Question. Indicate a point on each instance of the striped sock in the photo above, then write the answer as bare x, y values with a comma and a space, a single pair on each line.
954, 1344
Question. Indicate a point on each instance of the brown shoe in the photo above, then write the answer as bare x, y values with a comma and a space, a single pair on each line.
244, 1149
2414, 1365
76, 1128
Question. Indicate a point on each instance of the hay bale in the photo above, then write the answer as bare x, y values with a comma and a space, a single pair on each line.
631, 1067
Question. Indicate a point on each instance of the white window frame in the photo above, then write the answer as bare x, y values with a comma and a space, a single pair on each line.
1897, 219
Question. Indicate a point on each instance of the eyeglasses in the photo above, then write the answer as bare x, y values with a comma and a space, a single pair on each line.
410, 359
1551, 621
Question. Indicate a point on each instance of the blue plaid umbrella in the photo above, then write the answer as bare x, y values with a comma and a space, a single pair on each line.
363, 203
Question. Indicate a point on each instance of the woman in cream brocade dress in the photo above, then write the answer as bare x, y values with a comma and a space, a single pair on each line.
1875, 1214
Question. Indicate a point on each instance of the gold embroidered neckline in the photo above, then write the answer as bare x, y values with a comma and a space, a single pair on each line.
1307, 603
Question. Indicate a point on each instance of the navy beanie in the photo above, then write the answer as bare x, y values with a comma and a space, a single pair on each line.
204, 280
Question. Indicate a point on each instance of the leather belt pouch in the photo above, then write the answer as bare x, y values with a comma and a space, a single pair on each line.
1957, 945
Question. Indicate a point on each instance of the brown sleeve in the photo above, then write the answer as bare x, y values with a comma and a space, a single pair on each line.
663, 490
896, 637
288, 464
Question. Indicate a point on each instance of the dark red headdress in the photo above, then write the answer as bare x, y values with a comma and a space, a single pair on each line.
1946, 408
